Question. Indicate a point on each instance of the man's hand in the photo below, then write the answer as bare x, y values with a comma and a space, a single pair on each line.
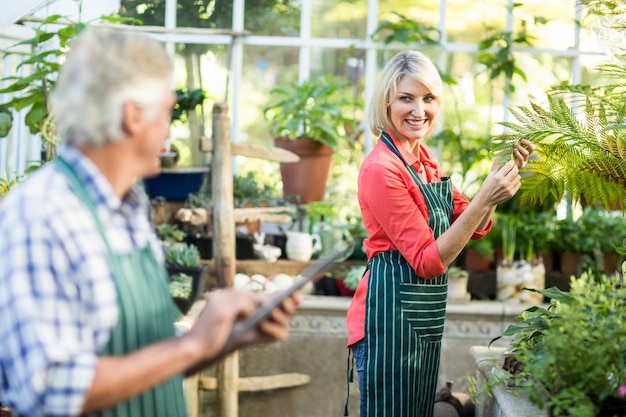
210, 336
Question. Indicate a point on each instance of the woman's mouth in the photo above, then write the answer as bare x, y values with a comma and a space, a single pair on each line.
416, 122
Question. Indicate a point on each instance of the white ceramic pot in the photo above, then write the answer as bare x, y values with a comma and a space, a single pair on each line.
300, 246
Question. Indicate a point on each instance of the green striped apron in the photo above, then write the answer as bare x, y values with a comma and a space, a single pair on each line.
146, 316
404, 321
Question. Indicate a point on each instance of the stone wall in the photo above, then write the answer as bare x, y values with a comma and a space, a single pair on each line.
317, 347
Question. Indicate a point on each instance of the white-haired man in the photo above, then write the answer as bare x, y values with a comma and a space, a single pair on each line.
85, 314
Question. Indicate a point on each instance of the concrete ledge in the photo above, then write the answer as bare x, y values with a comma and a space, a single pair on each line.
506, 401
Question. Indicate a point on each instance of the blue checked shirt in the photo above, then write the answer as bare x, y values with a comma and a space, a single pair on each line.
58, 300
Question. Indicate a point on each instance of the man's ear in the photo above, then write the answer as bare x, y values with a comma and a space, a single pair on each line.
132, 118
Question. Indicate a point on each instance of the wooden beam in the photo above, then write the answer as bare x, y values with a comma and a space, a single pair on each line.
224, 246
259, 383
254, 151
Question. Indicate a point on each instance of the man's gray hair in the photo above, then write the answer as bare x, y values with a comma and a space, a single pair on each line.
103, 70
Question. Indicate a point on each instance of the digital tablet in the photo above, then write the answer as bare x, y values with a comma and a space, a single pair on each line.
311, 273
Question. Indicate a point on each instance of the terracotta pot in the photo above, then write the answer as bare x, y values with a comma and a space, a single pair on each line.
610, 263
474, 261
306, 178
569, 262
548, 260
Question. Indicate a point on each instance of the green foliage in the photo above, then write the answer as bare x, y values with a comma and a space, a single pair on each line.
249, 191
483, 246
182, 254
574, 236
353, 276
213, 14
607, 230
455, 272
170, 233
34, 88
496, 52
581, 143
533, 322
407, 31
41, 67
577, 357
356, 228
6, 121
187, 100
7, 184
315, 109
536, 231
569, 355
180, 285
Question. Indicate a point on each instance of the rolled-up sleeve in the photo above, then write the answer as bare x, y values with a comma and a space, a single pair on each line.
401, 216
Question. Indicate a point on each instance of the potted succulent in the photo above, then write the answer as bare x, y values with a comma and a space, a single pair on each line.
170, 233
182, 262
309, 119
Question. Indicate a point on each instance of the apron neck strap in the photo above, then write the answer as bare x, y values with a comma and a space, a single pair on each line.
80, 189
386, 138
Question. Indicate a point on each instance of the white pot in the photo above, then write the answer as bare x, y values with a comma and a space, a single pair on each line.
300, 246
457, 289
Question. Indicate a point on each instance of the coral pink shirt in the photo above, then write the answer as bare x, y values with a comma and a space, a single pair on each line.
395, 215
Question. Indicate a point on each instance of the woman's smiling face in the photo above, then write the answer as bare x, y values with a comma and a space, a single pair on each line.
413, 110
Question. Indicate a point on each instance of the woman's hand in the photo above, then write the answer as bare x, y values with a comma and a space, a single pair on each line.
500, 185
522, 151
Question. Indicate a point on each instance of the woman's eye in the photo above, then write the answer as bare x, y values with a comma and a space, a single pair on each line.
428, 99
405, 98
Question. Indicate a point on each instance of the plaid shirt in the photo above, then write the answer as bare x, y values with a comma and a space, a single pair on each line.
58, 300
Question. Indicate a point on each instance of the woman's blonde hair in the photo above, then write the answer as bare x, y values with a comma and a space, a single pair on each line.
103, 71
412, 64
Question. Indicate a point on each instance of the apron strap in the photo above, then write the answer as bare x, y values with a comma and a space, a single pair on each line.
349, 378
80, 189
392, 146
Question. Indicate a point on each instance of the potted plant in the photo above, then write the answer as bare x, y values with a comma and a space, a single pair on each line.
309, 119
170, 233
572, 242
605, 232
614, 238
537, 231
457, 284
349, 280
183, 261
568, 357
478, 254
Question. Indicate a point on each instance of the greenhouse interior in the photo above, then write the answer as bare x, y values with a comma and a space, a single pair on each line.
262, 187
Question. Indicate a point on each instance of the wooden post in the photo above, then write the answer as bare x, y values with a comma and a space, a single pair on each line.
224, 246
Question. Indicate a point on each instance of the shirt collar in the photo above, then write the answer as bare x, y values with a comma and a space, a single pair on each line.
426, 158
98, 187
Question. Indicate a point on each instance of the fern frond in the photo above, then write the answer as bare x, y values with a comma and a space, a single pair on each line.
580, 140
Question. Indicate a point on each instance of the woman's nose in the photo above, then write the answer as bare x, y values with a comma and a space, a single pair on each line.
417, 108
